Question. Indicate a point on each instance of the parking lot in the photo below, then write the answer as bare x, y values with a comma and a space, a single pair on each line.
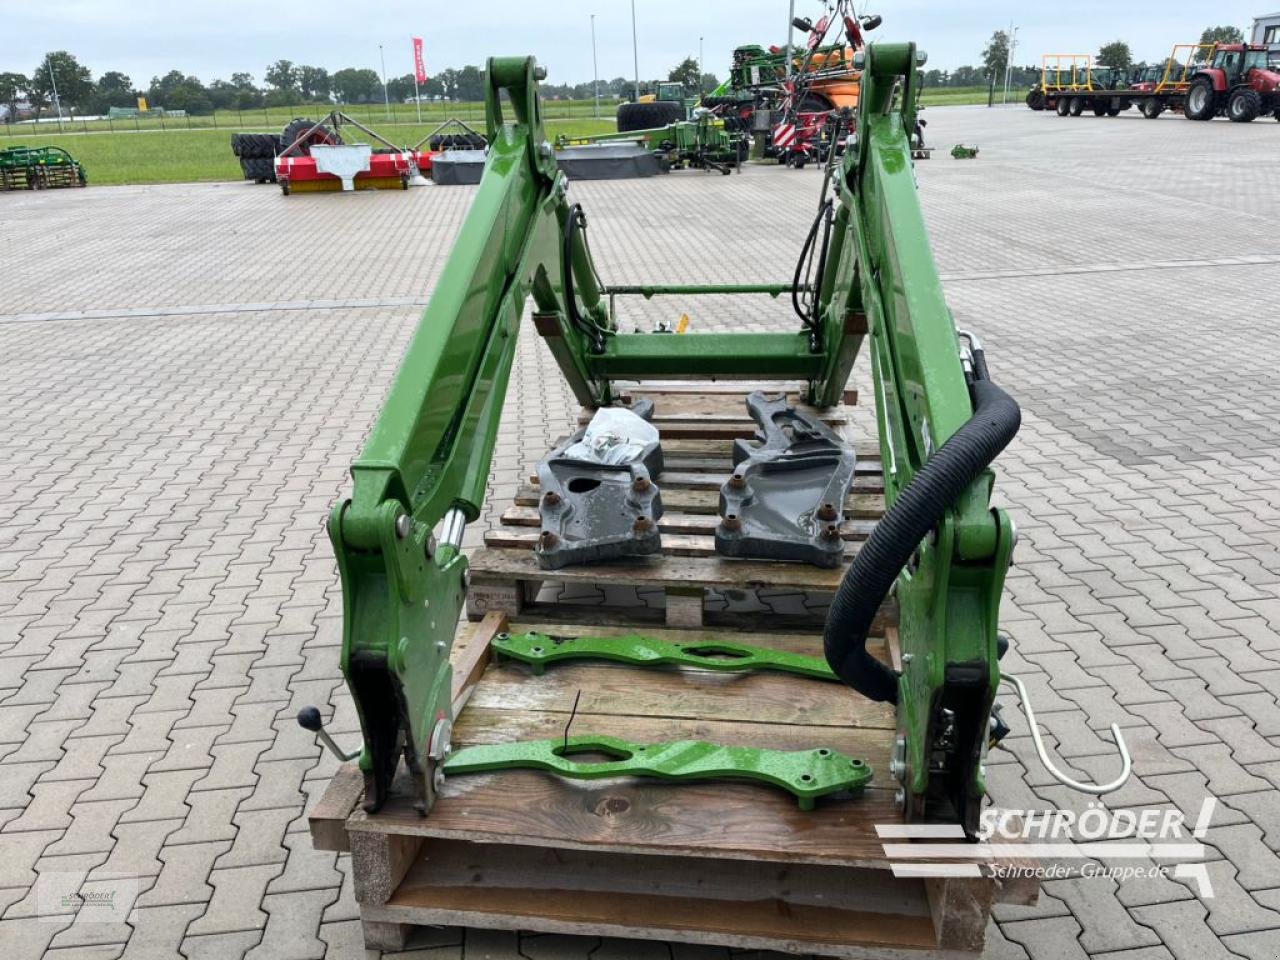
187, 372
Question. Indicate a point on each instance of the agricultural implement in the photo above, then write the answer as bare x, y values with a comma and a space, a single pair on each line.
1072, 85
791, 111
599, 769
700, 143
315, 158
39, 168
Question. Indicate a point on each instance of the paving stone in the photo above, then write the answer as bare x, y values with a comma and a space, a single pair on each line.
236, 902
184, 875
166, 572
292, 925
158, 930
1183, 930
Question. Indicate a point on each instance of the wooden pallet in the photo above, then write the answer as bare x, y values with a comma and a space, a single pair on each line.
717, 863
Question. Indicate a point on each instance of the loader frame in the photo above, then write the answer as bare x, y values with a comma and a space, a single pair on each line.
423, 473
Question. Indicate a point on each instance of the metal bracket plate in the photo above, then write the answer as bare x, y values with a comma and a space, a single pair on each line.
540, 649
785, 499
592, 511
806, 774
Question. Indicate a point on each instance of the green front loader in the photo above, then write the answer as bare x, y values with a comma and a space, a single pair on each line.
874, 290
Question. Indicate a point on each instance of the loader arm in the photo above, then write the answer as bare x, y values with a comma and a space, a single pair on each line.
426, 463
423, 471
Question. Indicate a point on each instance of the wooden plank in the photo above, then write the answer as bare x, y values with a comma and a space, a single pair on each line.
470, 661
328, 818
680, 523
722, 820
802, 908
608, 689
717, 573
380, 859
865, 469
867, 506
673, 545
496, 725
961, 908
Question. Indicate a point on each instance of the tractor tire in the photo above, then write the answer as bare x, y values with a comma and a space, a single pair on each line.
1200, 103
322, 135
1076, 106
1063, 107
1244, 106
1035, 100
815, 103
648, 116
1100, 110
1151, 109
1113, 111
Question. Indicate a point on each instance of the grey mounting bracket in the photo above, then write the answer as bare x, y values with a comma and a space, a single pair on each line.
786, 497
592, 510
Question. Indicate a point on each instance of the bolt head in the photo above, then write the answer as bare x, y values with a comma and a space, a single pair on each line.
404, 526
900, 798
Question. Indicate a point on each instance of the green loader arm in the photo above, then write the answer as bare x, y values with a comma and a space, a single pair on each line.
424, 469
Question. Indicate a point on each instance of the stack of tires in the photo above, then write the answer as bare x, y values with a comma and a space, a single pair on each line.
257, 153
457, 141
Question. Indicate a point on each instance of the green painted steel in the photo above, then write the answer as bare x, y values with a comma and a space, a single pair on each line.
949, 597
540, 649
961, 152
807, 774
633, 356
430, 450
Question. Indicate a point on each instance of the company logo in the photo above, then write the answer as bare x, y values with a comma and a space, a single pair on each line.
103, 899
1056, 844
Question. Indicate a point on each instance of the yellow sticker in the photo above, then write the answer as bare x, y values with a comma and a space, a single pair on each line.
683, 325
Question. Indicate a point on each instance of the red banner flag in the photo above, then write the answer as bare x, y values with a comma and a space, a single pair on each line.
419, 69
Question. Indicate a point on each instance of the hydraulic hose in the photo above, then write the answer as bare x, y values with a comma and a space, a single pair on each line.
918, 509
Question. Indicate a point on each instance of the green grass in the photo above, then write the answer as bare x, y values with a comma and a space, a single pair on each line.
960, 96
183, 156
180, 150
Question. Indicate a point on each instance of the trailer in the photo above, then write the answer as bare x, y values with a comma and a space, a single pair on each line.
1072, 84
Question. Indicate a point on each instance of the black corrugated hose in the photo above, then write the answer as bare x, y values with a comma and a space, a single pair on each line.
919, 509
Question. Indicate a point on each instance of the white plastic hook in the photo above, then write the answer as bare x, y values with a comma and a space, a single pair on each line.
1126, 762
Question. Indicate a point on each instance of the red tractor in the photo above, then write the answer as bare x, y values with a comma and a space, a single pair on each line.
1238, 82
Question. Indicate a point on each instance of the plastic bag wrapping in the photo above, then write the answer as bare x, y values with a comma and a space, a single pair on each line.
614, 436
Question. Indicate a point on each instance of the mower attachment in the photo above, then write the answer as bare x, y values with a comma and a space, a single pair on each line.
785, 500
807, 774
599, 500
540, 649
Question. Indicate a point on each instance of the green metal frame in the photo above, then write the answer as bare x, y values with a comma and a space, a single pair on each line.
807, 774
540, 649
428, 458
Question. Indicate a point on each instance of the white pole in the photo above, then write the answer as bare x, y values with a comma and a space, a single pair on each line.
699, 68
57, 101
595, 70
791, 15
1008, 66
386, 98
635, 50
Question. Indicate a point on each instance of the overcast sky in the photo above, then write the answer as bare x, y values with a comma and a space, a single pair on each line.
143, 38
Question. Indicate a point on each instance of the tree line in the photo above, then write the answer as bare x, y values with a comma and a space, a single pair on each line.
286, 84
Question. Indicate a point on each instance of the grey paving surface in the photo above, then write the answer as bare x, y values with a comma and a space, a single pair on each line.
187, 371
